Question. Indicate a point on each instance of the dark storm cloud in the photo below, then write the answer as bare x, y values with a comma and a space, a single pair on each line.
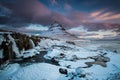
35, 11
67, 12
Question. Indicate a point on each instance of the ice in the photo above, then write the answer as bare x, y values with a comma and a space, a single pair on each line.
32, 43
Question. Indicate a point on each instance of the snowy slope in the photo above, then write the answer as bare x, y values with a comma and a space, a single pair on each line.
105, 65
45, 71
25, 53
41, 71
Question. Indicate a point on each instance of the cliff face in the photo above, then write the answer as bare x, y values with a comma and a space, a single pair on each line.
20, 42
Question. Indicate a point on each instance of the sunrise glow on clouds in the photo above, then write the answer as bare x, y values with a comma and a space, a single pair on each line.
100, 16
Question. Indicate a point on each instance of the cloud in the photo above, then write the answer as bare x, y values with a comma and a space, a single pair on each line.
31, 28
36, 27
62, 19
5, 11
78, 17
82, 32
31, 8
105, 16
112, 17
67, 7
95, 14
53, 2
36, 12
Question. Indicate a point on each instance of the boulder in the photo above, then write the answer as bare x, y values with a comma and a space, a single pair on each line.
63, 71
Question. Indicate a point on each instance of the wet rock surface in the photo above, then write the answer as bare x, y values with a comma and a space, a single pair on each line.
99, 60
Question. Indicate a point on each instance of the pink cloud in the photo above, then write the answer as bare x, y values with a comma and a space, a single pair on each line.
112, 17
103, 16
95, 14
31, 8
78, 17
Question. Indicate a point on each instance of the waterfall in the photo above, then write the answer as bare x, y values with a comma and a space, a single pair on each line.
1, 50
32, 45
14, 46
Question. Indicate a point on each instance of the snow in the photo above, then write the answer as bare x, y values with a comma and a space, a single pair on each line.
58, 32
94, 72
70, 57
73, 65
45, 44
98, 72
41, 71
45, 71
30, 53
9, 71
48, 43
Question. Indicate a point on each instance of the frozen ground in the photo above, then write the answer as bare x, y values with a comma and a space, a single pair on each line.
104, 44
85, 58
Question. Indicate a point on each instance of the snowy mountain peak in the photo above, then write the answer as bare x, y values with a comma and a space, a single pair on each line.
56, 26
57, 31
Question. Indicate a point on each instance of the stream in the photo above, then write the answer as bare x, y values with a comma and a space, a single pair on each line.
36, 59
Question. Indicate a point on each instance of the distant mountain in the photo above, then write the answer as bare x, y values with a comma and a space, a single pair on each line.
57, 31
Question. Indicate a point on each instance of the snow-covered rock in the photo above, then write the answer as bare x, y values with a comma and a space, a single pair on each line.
30, 53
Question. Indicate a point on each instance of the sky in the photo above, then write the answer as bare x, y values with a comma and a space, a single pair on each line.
69, 13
